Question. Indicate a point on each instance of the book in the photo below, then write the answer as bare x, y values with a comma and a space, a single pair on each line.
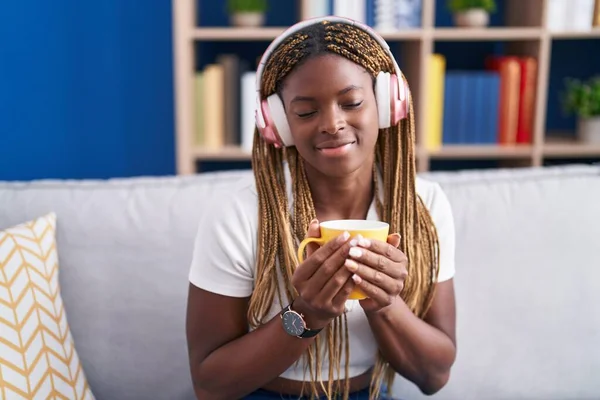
435, 101
214, 110
509, 69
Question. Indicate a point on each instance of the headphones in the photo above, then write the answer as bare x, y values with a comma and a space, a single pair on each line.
391, 92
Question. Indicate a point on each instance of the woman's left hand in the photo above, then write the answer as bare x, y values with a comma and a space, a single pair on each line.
379, 271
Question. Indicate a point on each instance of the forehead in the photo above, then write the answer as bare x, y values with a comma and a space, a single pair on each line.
326, 72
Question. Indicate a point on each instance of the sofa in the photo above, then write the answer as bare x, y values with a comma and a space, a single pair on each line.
527, 281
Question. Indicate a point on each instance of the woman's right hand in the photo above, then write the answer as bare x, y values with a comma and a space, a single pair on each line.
322, 281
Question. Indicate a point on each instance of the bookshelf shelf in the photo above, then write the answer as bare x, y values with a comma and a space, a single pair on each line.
526, 34
448, 152
232, 153
575, 150
575, 35
481, 34
250, 34
452, 152
247, 34
270, 33
409, 34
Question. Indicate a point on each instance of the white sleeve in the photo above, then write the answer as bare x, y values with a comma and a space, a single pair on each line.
223, 257
441, 213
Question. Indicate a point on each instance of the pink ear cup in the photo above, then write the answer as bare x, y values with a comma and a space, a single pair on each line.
269, 132
399, 107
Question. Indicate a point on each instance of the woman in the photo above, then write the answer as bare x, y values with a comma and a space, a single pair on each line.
334, 140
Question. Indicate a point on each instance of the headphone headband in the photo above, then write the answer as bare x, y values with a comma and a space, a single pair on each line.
313, 21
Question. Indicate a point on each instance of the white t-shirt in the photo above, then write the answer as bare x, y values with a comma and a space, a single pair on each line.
226, 248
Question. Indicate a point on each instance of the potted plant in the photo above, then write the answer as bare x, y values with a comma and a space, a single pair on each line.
472, 13
247, 13
582, 98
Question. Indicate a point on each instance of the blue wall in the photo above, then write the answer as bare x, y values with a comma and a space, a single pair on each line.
86, 88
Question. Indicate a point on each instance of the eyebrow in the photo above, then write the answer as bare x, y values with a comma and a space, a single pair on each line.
341, 92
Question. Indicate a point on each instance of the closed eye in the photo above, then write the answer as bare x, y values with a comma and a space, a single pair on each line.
305, 115
353, 105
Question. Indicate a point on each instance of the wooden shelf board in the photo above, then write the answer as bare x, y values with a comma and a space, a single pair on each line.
231, 153
555, 150
481, 152
479, 34
445, 152
575, 150
591, 34
409, 34
238, 34
465, 34
268, 33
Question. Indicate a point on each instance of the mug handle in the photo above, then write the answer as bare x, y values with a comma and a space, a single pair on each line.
319, 241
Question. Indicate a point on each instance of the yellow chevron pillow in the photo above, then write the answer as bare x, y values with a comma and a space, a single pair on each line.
37, 353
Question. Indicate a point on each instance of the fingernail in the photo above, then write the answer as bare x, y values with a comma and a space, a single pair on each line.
351, 265
314, 221
356, 279
354, 242
343, 237
397, 235
355, 252
364, 242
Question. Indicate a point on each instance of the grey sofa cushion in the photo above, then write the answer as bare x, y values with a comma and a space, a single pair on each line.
124, 250
527, 284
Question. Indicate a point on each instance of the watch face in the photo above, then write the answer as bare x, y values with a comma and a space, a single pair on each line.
293, 323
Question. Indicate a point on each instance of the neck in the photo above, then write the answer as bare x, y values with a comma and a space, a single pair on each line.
347, 197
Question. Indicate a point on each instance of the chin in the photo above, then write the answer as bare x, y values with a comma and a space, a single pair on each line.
337, 172
337, 168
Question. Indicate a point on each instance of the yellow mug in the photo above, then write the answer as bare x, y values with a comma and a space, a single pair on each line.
331, 229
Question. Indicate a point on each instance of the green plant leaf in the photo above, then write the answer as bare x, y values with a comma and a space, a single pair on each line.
246, 5
582, 98
463, 5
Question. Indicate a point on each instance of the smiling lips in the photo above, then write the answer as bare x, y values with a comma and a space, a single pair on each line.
335, 148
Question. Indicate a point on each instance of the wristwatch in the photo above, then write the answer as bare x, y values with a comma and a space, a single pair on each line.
293, 324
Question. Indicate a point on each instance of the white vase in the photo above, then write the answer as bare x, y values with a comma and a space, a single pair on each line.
248, 19
588, 130
472, 18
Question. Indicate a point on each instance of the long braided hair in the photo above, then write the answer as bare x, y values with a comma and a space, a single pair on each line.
279, 231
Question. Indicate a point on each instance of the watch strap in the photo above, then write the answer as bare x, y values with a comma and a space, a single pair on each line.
308, 333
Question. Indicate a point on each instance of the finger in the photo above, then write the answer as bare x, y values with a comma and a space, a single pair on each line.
342, 295
372, 291
376, 261
333, 262
313, 231
334, 284
385, 282
387, 250
394, 239
315, 262
325, 269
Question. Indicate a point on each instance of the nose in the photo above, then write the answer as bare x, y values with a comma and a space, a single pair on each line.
332, 120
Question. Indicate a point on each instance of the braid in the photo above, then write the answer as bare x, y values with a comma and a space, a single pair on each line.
280, 232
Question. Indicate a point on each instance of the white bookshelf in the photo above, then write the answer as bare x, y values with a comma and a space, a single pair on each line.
526, 35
